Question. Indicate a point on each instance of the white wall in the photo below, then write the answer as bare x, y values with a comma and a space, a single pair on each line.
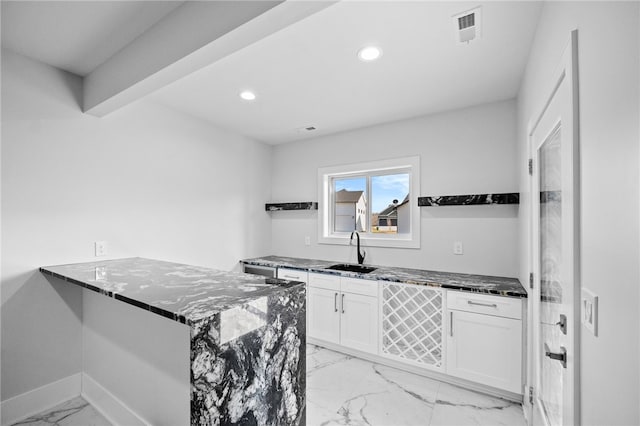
148, 180
141, 358
608, 47
462, 152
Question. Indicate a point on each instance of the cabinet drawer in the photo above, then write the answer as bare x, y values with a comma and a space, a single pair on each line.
358, 286
326, 281
292, 274
508, 307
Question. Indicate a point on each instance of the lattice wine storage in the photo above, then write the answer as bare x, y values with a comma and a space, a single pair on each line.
412, 326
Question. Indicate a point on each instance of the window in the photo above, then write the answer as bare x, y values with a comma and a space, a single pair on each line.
371, 198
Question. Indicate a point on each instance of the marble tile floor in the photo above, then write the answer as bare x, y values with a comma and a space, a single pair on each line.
347, 391
75, 412
342, 390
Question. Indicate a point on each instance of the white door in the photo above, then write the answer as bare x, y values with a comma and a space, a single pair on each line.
555, 248
359, 322
485, 349
323, 315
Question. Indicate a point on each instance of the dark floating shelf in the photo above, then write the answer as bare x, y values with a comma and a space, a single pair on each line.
469, 200
275, 207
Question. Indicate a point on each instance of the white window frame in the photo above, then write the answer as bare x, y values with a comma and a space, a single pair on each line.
326, 234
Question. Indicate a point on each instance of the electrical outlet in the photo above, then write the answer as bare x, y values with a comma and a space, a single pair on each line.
307, 240
457, 247
101, 248
589, 311
101, 273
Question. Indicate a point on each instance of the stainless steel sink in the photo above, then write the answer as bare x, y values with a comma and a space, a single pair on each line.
352, 268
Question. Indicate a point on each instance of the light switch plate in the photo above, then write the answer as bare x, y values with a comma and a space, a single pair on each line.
589, 311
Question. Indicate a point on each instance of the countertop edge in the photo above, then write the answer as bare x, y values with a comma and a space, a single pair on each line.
503, 293
153, 309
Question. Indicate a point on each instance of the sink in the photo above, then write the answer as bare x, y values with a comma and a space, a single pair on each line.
352, 268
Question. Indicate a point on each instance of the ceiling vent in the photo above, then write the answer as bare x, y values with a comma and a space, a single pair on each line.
306, 129
468, 25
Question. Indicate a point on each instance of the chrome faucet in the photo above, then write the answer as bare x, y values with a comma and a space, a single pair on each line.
360, 255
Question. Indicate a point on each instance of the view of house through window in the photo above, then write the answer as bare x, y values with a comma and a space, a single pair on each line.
375, 202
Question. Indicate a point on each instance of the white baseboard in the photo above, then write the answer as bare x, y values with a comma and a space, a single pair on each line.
35, 401
112, 408
80, 384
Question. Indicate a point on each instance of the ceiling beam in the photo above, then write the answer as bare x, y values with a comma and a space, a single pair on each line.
192, 37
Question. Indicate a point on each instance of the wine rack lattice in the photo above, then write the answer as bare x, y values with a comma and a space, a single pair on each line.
412, 323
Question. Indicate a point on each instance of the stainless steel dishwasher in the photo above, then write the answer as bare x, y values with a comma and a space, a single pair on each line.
266, 271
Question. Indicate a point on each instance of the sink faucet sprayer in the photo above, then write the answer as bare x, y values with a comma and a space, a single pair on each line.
360, 255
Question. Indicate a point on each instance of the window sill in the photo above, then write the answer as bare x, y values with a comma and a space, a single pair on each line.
370, 241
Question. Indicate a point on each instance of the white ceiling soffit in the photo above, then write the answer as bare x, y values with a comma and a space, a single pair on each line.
77, 36
194, 35
308, 73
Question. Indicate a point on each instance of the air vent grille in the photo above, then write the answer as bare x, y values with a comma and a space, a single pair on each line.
467, 21
468, 25
306, 129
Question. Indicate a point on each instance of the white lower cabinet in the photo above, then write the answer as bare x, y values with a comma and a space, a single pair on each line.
471, 336
358, 323
323, 314
484, 340
412, 325
348, 318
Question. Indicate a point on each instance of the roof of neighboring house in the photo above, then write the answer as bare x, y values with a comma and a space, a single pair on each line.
344, 196
391, 209
388, 211
405, 201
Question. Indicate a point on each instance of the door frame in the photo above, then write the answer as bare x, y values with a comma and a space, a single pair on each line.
568, 70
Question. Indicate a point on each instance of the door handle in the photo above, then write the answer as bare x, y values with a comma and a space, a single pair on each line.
342, 303
558, 356
335, 302
451, 324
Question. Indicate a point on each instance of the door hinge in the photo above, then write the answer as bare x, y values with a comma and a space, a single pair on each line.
530, 279
530, 166
531, 395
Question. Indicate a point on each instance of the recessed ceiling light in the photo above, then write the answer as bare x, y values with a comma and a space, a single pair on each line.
248, 95
369, 53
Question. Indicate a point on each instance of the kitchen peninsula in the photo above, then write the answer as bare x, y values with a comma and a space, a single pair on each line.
247, 333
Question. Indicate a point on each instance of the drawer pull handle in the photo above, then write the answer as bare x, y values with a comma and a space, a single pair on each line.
343, 303
488, 305
335, 302
291, 277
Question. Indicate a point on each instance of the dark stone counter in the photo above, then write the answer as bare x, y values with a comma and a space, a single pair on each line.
247, 333
502, 286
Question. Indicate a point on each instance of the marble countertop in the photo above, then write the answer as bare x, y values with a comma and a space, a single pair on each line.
502, 286
184, 293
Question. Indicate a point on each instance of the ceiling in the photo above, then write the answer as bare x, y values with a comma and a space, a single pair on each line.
77, 36
306, 74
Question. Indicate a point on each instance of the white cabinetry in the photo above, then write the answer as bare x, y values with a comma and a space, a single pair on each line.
323, 316
343, 311
484, 339
292, 274
412, 326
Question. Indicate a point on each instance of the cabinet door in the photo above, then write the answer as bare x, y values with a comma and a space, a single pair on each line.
323, 314
412, 327
359, 322
485, 349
